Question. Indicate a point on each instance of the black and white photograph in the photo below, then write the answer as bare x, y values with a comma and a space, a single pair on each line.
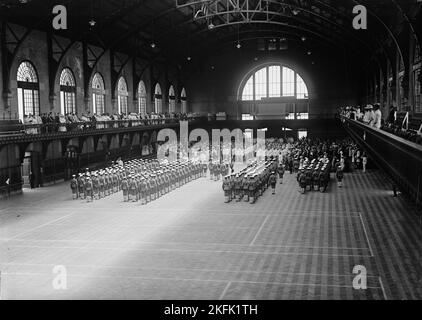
192, 151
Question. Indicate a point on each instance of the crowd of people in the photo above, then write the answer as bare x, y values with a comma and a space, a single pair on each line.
371, 115
57, 122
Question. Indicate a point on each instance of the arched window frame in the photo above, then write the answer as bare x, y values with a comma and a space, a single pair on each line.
183, 100
98, 94
172, 100
142, 98
158, 97
273, 80
122, 96
67, 91
28, 90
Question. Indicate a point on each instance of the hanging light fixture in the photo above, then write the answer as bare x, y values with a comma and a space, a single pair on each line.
238, 45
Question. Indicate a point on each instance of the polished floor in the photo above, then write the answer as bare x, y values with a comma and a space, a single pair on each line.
190, 245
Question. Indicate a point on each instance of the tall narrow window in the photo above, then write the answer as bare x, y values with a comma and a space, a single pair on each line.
301, 89
98, 94
184, 101
288, 82
28, 90
417, 91
142, 98
172, 100
261, 84
273, 81
67, 92
158, 99
122, 96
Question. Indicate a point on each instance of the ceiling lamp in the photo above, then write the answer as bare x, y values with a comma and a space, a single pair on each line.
295, 12
211, 25
238, 45
92, 22
303, 38
309, 52
189, 58
153, 45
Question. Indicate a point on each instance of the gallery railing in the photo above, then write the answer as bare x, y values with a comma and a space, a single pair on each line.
399, 158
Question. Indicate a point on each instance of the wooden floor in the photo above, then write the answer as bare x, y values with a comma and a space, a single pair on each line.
190, 245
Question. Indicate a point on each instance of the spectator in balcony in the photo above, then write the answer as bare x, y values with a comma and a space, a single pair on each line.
392, 116
377, 116
369, 117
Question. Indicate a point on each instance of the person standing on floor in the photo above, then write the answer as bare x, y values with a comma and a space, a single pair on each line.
364, 161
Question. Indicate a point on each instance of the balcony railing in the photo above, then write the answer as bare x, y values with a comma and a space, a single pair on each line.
399, 158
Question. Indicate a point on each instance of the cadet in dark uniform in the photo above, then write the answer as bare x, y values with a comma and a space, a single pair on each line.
227, 189
273, 181
280, 171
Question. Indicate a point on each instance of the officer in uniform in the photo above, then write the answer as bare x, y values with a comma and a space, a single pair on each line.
74, 187
81, 186
88, 189
339, 175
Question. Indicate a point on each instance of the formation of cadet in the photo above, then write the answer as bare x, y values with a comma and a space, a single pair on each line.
250, 183
217, 170
139, 180
314, 175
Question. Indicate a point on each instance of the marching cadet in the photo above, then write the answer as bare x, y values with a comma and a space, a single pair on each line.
153, 185
238, 187
315, 179
148, 189
101, 183
143, 191
308, 179
81, 186
302, 181
245, 188
106, 188
88, 189
227, 189
125, 189
74, 187
339, 175
204, 170
280, 171
132, 188
273, 181
324, 179
95, 186
252, 189
115, 181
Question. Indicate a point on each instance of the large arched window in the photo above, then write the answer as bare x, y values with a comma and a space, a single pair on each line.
172, 100
274, 81
67, 92
98, 94
122, 96
142, 98
28, 90
184, 101
158, 99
